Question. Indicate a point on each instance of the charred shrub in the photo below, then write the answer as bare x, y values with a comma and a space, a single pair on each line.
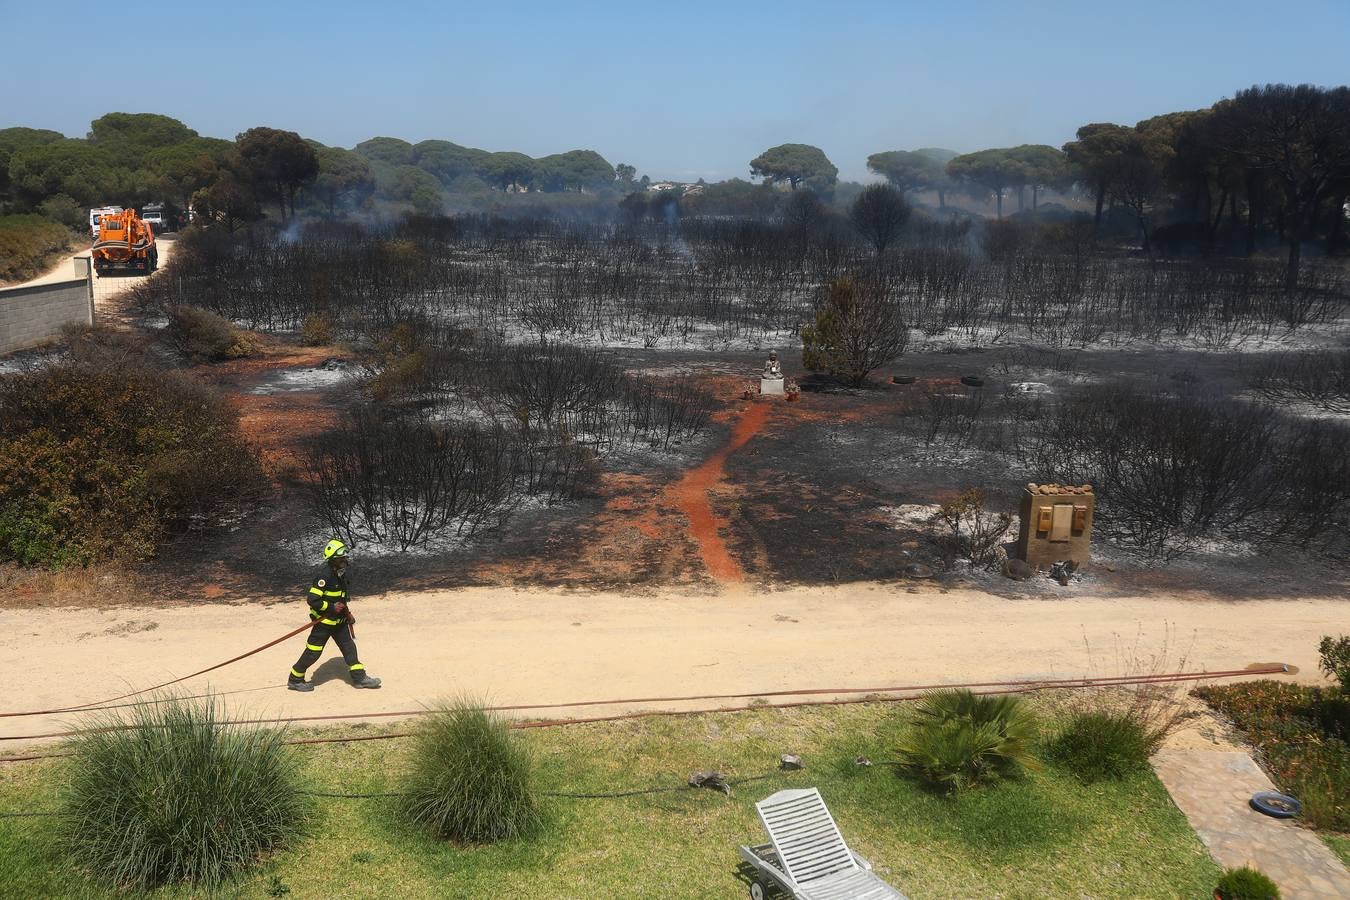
105, 461
393, 479
970, 529
1318, 377
1169, 471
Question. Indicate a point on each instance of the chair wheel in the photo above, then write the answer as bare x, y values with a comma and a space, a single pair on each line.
758, 891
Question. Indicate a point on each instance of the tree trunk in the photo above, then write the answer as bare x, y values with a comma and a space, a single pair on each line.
1035, 195
1021, 197
1101, 198
1298, 228
1253, 212
942, 198
1214, 229
999, 195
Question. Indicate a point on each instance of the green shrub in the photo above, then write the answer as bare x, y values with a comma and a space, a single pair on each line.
471, 779
1299, 732
1246, 884
177, 797
203, 335
959, 739
63, 208
1097, 746
105, 460
28, 244
317, 331
1335, 659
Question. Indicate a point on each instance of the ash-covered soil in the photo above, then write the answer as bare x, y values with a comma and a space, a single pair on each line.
831, 489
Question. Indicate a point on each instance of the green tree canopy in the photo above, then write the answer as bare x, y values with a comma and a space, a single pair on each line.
794, 163
1095, 158
278, 162
1042, 167
138, 132
394, 151
502, 170
72, 167
183, 169
574, 170
13, 139
996, 170
445, 160
344, 177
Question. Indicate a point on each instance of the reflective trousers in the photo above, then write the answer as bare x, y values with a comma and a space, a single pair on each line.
318, 637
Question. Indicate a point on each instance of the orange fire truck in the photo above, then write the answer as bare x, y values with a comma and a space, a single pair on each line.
125, 243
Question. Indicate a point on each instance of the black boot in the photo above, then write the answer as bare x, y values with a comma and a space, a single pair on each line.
302, 686
362, 680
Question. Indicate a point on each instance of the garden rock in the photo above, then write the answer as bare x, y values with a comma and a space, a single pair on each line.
917, 570
1017, 569
709, 779
790, 763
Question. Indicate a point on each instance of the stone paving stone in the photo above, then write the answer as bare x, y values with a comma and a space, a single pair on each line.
1212, 788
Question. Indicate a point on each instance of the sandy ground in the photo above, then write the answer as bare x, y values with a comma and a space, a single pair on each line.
512, 646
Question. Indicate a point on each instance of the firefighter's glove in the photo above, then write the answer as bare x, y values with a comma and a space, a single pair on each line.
340, 608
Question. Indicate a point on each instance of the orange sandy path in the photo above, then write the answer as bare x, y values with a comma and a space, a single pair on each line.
690, 495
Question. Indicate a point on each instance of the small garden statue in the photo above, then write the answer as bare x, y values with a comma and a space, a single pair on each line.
771, 379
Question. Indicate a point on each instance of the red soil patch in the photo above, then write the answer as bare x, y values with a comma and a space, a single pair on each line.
279, 425
690, 495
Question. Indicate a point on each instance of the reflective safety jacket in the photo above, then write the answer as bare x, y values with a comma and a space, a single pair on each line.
327, 590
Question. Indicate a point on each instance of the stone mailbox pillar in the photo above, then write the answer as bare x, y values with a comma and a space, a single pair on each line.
1056, 524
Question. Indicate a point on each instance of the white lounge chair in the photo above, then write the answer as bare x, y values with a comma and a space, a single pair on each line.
806, 855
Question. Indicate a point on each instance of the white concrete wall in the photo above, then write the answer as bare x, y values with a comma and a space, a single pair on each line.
33, 315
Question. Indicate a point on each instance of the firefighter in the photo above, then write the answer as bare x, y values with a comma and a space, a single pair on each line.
328, 607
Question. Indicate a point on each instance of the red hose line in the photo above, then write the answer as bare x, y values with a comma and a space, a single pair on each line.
85, 706
1015, 686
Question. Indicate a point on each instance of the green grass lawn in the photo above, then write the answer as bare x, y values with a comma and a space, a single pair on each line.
1046, 835
1340, 844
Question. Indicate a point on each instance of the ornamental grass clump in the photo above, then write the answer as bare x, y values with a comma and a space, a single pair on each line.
958, 739
471, 779
1246, 884
173, 795
1103, 745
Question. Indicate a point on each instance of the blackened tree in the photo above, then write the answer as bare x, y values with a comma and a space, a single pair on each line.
879, 213
1299, 135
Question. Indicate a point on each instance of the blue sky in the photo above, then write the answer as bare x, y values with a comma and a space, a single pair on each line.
678, 90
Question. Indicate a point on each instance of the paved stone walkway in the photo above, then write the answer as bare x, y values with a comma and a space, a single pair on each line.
1212, 788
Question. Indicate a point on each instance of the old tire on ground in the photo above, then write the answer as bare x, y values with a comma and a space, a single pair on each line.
903, 379
1273, 803
972, 381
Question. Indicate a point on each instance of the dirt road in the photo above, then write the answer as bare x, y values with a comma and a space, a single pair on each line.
106, 287
514, 646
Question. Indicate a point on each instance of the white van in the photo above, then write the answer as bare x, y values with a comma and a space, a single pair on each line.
99, 213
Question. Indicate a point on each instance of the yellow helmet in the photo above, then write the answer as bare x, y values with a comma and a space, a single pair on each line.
334, 548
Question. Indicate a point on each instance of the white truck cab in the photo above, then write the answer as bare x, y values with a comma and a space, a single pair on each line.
154, 214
